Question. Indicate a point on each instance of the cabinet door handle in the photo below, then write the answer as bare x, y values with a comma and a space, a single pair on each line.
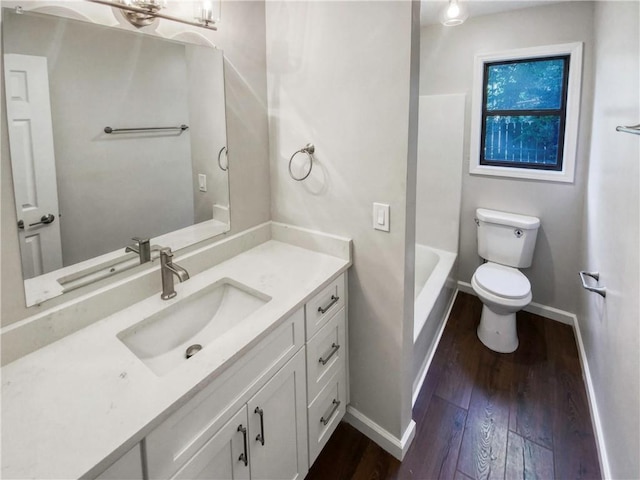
334, 408
244, 457
334, 348
334, 300
260, 436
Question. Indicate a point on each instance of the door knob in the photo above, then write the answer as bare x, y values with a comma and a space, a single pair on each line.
44, 220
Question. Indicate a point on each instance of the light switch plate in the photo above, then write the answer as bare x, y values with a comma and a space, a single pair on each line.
381, 217
202, 182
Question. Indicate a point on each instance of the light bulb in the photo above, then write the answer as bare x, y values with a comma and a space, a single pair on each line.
453, 10
208, 11
453, 14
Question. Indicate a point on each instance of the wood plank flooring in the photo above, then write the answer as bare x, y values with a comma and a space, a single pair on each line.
485, 415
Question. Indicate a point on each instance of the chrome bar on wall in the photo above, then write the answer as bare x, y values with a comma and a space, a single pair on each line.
110, 130
634, 129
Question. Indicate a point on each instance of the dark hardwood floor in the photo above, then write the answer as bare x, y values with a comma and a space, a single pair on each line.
482, 414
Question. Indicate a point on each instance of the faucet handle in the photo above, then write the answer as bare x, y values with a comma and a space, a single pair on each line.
166, 252
141, 240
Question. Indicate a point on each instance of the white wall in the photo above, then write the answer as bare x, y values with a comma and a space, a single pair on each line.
339, 77
611, 237
447, 67
439, 177
242, 37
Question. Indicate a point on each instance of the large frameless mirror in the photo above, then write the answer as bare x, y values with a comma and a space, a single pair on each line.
113, 134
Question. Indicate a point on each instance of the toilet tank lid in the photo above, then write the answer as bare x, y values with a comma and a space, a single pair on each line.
510, 219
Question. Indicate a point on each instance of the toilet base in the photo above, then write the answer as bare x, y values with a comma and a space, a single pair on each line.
498, 331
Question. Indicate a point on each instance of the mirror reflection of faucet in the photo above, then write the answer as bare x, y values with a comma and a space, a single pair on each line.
142, 248
168, 269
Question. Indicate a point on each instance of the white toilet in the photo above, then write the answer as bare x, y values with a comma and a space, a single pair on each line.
506, 241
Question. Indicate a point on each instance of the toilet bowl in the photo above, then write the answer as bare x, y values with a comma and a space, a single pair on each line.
506, 242
503, 291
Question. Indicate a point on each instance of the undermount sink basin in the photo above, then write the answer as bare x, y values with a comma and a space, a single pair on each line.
161, 341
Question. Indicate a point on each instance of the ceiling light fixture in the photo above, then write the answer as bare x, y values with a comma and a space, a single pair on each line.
208, 11
144, 12
140, 19
454, 14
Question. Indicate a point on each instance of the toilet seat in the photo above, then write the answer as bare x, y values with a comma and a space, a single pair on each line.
502, 281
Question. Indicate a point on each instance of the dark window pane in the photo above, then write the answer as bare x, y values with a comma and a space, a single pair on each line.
527, 140
527, 85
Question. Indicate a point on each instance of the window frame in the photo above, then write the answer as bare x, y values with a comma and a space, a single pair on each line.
570, 122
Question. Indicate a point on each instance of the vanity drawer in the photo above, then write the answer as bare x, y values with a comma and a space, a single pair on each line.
181, 435
325, 413
324, 305
326, 353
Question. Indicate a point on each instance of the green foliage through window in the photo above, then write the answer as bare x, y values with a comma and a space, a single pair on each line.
523, 115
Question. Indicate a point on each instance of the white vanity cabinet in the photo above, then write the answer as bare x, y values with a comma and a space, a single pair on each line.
269, 415
326, 333
265, 439
270, 378
278, 440
221, 457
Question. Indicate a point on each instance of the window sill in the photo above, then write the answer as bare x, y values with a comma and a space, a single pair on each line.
523, 173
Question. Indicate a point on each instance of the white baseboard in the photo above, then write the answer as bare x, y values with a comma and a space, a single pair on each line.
395, 446
434, 346
572, 320
535, 308
605, 469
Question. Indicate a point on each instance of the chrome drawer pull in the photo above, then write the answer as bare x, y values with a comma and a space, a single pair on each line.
334, 300
596, 276
244, 457
334, 349
260, 436
334, 408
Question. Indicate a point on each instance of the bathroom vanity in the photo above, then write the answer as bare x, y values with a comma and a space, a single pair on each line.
120, 399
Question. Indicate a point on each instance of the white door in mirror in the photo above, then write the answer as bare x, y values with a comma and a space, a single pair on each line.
33, 163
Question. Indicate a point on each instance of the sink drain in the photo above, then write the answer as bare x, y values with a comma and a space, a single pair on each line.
192, 350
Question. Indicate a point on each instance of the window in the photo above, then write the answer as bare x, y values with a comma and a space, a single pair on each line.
526, 113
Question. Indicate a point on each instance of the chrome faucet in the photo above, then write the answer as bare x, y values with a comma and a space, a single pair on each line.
168, 269
142, 248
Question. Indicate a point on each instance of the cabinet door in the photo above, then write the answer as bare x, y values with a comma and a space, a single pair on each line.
224, 456
277, 425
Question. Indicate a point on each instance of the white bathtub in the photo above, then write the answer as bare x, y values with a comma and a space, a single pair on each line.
434, 292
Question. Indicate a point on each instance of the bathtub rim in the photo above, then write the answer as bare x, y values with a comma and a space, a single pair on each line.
432, 288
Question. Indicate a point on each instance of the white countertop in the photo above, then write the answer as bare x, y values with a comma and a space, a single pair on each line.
85, 398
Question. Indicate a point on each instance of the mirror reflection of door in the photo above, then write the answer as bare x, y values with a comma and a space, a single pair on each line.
33, 163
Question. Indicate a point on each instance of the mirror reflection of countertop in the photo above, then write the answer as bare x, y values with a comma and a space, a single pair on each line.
52, 284
80, 401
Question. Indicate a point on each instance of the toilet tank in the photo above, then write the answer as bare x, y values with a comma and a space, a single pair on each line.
506, 238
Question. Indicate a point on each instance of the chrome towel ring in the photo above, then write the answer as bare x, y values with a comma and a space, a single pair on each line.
309, 149
223, 149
